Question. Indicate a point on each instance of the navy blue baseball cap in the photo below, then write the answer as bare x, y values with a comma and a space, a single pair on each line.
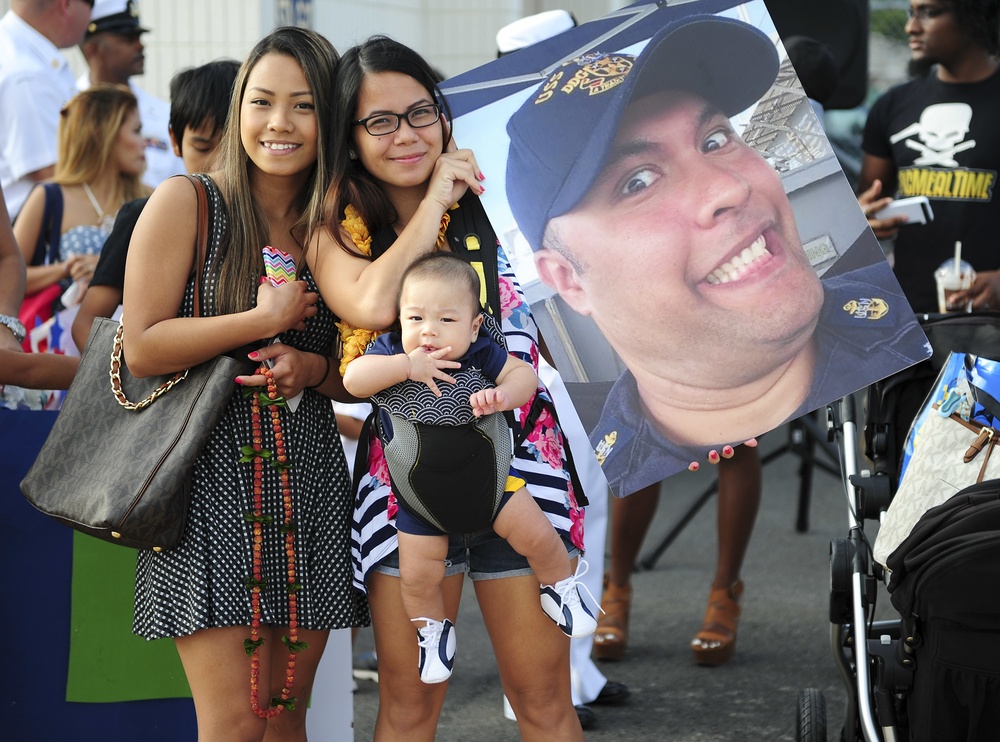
560, 136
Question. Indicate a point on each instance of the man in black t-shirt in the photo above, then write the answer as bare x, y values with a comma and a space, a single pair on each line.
937, 136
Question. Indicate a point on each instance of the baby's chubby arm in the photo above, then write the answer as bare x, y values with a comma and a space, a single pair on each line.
369, 374
516, 384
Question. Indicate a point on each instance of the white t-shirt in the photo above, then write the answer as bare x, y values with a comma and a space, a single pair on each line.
35, 83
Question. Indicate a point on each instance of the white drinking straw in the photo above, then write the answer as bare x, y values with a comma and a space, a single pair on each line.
958, 258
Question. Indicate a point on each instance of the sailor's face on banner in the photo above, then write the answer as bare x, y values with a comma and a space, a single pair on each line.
685, 250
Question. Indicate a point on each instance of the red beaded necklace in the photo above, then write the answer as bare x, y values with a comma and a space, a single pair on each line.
256, 454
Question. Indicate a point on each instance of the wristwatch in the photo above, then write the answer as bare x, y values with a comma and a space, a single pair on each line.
15, 326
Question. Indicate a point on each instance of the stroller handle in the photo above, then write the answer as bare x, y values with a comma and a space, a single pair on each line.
844, 411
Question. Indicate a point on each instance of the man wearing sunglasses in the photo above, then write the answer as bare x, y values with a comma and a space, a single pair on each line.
936, 136
35, 83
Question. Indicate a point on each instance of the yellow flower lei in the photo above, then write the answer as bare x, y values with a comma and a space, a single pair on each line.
354, 340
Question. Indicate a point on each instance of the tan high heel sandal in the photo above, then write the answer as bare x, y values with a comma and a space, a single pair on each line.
715, 644
611, 636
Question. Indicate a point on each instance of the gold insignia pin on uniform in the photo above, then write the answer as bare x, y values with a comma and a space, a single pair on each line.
605, 447
873, 309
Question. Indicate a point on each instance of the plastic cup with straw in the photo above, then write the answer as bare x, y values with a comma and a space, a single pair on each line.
951, 277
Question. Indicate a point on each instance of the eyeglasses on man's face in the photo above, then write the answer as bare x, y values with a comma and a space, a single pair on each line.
386, 123
924, 13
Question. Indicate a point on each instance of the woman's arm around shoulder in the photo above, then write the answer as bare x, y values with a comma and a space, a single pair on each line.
354, 295
361, 291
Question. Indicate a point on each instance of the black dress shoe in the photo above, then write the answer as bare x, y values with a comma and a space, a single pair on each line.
613, 694
586, 716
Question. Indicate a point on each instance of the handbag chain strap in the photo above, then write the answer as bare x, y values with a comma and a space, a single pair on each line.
116, 352
116, 379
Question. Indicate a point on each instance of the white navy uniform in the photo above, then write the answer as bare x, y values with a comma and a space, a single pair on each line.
35, 83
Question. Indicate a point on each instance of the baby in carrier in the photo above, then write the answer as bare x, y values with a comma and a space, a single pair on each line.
442, 385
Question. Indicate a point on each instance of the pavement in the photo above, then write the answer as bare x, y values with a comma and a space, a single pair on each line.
784, 635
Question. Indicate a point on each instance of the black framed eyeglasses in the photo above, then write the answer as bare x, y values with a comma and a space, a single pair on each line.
386, 123
924, 13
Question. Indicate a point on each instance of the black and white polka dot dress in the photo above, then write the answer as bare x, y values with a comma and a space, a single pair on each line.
202, 582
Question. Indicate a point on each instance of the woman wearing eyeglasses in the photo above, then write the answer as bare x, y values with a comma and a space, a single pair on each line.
399, 190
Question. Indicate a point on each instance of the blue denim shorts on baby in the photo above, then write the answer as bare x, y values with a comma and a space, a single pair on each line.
484, 555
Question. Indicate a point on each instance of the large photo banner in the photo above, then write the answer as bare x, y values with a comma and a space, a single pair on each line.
693, 254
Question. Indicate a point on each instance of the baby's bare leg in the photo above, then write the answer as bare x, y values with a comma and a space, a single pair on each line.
524, 526
421, 572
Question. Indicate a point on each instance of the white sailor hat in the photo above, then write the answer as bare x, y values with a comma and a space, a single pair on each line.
117, 16
532, 29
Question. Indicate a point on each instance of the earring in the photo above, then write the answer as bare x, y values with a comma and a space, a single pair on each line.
352, 154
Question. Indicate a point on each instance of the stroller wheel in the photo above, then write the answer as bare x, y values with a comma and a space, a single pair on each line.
811, 716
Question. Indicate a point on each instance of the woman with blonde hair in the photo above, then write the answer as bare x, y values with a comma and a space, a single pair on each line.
63, 224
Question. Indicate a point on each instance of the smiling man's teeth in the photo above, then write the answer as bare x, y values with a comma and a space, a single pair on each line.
737, 267
274, 145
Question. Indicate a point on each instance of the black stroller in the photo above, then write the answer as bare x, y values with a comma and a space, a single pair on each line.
932, 673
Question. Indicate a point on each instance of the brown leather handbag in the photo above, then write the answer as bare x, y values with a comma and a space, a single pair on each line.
121, 470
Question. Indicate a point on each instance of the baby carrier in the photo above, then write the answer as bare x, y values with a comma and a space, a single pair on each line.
450, 476
429, 461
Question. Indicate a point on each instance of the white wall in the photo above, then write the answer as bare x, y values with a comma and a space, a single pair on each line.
184, 33
454, 35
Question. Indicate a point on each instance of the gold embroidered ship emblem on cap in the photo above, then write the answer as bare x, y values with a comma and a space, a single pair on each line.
597, 73
600, 75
